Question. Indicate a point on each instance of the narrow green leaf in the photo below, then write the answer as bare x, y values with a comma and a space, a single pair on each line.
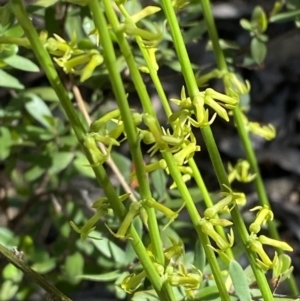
159, 181
8, 51
117, 253
145, 296
102, 277
15, 31
44, 266
260, 19
130, 252
283, 298
123, 164
207, 293
246, 24
10, 272
199, 257
46, 93
74, 267
8, 290
258, 50
9, 81
82, 165
286, 16
239, 281
60, 161
102, 246
37, 108
45, 3
21, 63
8, 238
5, 143
33, 173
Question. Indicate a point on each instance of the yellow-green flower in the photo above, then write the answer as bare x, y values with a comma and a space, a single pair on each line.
264, 214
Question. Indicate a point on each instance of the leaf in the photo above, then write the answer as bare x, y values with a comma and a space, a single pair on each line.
82, 165
46, 93
207, 293
258, 50
102, 277
60, 161
123, 164
239, 281
8, 238
130, 253
199, 257
10, 272
15, 31
69, 140
246, 24
37, 108
102, 246
9, 81
145, 296
6, 18
44, 266
33, 173
260, 19
286, 16
7, 51
117, 253
282, 298
8, 290
21, 63
159, 181
45, 3
32, 133
74, 267
5, 143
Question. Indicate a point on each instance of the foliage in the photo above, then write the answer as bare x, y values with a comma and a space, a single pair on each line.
130, 235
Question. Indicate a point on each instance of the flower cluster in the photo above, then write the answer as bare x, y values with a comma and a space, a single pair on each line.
256, 243
173, 272
102, 206
240, 172
195, 107
71, 58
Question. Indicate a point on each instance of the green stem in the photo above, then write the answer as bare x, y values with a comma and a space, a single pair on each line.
133, 140
162, 96
146, 102
237, 114
153, 73
209, 139
195, 217
52, 290
101, 175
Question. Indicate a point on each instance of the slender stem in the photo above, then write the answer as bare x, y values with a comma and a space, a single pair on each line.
18, 263
146, 102
101, 175
162, 96
128, 55
195, 217
209, 139
165, 291
153, 73
237, 115
133, 140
